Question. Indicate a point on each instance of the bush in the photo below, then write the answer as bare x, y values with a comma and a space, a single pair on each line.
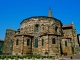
2, 57
12, 57
8, 56
49, 57
45, 56
29, 56
42, 57
38, 57
24, 56
16, 58
21, 57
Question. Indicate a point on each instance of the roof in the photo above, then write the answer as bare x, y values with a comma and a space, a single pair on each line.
67, 26
41, 17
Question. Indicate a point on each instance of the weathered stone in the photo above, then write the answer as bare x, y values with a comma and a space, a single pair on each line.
28, 39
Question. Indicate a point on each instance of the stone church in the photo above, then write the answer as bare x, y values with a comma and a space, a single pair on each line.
43, 35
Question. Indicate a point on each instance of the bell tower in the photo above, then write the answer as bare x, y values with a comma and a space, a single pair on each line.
49, 13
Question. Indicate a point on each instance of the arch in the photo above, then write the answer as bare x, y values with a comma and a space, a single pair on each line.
42, 42
66, 43
42, 27
17, 42
36, 29
36, 43
56, 28
28, 42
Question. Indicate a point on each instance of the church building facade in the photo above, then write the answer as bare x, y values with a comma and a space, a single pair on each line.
43, 35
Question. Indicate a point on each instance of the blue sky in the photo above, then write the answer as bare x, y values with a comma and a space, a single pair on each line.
12, 12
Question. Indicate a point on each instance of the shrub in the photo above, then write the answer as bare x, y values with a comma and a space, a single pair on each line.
3, 57
45, 56
42, 57
8, 56
49, 57
16, 58
21, 57
12, 57
29, 57
24, 56
38, 57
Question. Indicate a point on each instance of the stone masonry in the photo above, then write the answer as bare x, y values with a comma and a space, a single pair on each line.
40, 35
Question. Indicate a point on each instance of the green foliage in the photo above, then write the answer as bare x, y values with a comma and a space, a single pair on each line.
42, 57
21, 57
9, 56
29, 57
2, 57
6, 58
16, 58
26, 56
12, 57
38, 57
49, 57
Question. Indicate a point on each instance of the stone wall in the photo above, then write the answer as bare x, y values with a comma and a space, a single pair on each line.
8, 41
72, 41
48, 28
41, 28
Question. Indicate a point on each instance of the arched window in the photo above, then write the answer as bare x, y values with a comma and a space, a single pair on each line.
42, 42
56, 28
17, 42
65, 43
28, 42
42, 27
36, 28
36, 43
53, 41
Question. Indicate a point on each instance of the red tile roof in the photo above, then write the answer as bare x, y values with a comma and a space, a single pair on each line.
66, 26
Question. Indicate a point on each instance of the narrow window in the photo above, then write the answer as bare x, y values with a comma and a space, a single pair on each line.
42, 42
43, 27
65, 43
36, 28
53, 41
36, 43
28, 42
56, 28
17, 42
